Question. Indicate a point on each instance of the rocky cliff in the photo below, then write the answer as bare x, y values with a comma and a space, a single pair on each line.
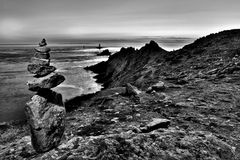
179, 105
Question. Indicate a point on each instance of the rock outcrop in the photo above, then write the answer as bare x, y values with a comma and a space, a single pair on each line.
45, 111
106, 52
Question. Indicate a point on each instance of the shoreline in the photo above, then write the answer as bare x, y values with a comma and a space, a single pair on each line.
155, 105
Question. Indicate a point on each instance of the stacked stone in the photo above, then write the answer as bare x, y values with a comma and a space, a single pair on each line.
45, 111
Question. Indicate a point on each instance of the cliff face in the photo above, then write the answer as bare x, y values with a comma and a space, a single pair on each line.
129, 65
151, 63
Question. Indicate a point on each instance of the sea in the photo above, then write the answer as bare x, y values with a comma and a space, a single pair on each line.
69, 59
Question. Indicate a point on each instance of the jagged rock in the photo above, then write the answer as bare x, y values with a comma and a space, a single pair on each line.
38, 61
105, 53
40, 70
50, 81
156, 124
46, 122
43, 49
132, 90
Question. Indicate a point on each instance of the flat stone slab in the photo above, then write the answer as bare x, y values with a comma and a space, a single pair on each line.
40, 61
156, 123
42, 49
132, 90
46, 121
50, 81
42, 55
40, 70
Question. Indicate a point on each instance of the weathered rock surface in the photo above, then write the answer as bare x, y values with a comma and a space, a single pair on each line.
40, 70
42, 55
132, 90
38, 61
156, 123
43, 49
160, 86
46, 122
50, 81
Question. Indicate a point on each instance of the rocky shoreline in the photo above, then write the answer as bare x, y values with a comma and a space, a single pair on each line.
156, 104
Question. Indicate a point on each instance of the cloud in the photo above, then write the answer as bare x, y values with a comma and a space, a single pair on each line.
10, 28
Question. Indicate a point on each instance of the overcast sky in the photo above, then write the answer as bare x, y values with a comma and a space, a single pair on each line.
24, 20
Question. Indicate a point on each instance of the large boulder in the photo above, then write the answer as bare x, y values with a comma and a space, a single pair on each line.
50, 81
40, 61
40, 70
46, 122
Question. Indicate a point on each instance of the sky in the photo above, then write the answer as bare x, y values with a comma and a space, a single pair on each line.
30, 20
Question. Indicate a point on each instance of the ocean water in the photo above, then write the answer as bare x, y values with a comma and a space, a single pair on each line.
69, 59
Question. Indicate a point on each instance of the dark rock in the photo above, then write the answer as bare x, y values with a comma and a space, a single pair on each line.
105, 53
40, 70
46, 122
4, 126
112, 91
43, 49
50, 81
51, 96
42, 55
38, 61
43, 42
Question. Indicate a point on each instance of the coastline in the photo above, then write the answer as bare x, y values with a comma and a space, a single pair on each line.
155, 104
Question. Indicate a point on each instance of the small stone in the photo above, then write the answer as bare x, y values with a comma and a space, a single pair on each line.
43, 62
156, 123
40, 70
115, 120
11, 150
129, 117
149, 90
43, 42
50, 81
159, 86
132, 90
138, 115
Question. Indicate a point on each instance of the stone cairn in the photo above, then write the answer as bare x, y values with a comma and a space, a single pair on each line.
45, 111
